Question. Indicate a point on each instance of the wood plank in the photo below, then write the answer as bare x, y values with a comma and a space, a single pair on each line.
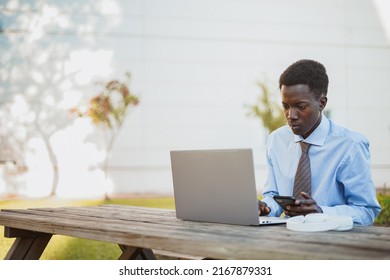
169, 220
130, 253
16, 232
206, 227
28, 248
148, 254
159, 229
19, 248
134, 253
38, 246
376, 236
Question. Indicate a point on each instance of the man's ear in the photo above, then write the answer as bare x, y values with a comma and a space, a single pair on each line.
323, 101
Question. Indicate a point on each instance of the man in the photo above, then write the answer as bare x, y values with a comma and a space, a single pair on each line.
338, 166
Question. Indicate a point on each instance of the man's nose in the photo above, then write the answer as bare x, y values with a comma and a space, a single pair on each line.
292, 113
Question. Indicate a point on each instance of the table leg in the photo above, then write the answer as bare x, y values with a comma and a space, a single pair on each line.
136, 253
28, 245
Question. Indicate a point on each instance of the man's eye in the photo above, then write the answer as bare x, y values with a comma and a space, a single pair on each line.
301, 107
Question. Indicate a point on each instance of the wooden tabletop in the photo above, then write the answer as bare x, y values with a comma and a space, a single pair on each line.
159, 229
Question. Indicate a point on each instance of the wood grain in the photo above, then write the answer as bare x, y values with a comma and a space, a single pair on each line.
158, 229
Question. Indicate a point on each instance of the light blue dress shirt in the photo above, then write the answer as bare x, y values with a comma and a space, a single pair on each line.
340, 171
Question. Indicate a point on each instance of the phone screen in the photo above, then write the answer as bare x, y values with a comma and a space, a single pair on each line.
283, 201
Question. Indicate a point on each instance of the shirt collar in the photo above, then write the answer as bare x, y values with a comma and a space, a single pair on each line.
318, 136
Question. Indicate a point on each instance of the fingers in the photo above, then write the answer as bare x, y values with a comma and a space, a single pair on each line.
307, 200
303, 206
263, 209
305, 195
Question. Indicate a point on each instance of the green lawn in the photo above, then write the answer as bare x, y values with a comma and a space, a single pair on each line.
68, 248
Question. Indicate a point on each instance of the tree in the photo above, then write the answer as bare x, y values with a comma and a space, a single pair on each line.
108, 110
40, 66
267, 110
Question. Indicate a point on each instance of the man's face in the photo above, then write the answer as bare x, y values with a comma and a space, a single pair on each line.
302, 109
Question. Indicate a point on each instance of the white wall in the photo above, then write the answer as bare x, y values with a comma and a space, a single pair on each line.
195, 65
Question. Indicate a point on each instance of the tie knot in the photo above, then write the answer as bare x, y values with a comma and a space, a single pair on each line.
305, 147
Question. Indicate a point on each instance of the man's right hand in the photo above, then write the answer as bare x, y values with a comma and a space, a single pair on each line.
264, 210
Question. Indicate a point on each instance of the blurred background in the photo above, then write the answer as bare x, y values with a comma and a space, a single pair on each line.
95, 94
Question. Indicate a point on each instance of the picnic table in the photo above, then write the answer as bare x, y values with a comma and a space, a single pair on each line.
142, 232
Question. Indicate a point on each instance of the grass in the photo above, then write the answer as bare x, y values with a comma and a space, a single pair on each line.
69, 248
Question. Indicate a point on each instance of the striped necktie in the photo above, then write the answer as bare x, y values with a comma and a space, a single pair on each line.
302, 181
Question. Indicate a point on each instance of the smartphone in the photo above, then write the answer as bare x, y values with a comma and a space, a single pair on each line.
283, 201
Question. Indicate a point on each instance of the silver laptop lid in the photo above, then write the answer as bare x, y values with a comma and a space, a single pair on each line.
215, 186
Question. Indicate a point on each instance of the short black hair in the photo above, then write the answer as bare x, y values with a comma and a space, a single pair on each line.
307, 72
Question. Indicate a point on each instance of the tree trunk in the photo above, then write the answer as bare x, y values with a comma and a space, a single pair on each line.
53, 161
109, 146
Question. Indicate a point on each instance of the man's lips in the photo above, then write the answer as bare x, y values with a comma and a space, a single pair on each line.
294, 125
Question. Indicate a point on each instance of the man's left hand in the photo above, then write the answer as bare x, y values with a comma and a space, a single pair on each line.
304, 206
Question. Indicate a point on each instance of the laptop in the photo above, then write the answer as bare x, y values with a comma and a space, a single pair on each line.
217, 186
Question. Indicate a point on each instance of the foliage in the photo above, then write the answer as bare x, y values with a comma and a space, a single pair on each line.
384, 216
267, 110
108, 110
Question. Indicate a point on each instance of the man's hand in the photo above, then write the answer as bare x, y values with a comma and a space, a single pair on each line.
264, 210
303, 206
